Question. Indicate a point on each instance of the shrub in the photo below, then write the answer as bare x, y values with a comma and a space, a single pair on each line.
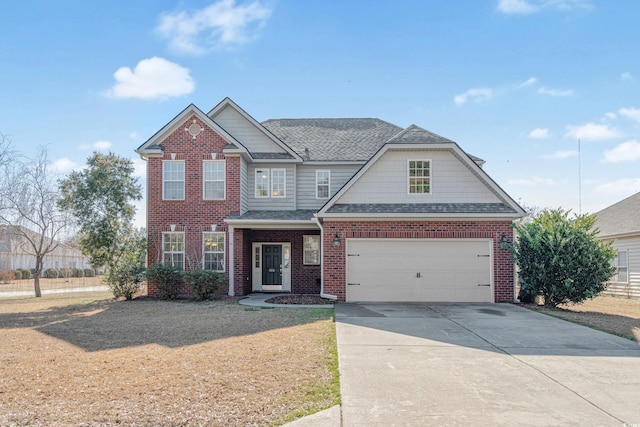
51, 273
125, 281
78, 272
204, 283
26, 274
89, 272
6, 276
17, 275
66, 272
167, 280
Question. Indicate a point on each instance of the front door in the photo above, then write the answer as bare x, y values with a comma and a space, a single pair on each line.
272, 265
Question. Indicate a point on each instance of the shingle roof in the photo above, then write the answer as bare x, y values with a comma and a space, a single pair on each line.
298, 215
422, 208
333, 139
415, 134
620, 218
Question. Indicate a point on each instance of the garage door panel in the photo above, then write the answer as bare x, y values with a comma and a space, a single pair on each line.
418, 270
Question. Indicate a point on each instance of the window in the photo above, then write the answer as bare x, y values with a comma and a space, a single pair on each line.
262, 182
173, 180
213, 253
213, 172
278, 182
173, 249
621, 262
311, 249
322, 184
419, 176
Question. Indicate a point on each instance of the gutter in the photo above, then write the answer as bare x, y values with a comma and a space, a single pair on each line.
322, 294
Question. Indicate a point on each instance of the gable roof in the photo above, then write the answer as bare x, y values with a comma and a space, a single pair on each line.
619, 219
333, 139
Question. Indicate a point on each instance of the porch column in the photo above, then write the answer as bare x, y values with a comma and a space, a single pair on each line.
231, 263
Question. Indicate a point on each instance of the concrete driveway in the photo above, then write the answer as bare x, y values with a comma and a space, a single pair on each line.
420, 364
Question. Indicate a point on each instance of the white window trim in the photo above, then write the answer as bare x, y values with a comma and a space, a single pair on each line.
255, 184
626, 266
174, 252
409, 177
224, 180
284, 183
304, 251
319, 171
224, 250
184, 173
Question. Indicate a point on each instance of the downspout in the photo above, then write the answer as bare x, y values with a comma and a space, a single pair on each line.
322, 294
232, 290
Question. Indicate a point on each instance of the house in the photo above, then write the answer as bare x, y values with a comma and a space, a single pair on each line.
15, 252
352, 209
620, 224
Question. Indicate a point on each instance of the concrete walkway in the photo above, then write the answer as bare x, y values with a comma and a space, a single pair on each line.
481, 365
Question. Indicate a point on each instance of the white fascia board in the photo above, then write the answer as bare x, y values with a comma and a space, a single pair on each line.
273, 224
228, 102
619, 235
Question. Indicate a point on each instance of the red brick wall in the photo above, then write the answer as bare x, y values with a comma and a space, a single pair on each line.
193, 215
335, 263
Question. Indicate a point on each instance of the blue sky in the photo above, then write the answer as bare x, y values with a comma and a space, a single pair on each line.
515, 82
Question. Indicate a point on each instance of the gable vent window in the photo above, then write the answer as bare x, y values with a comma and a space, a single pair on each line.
419, 176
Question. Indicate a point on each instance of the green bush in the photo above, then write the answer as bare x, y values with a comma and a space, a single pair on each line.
78, 272
51, 273
89, 272
125, 281
6, 276
560, 258
204, 283
17, 275
26, 274
166, 279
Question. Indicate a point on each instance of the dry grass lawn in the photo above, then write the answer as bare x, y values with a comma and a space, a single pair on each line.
619, 316
85, 360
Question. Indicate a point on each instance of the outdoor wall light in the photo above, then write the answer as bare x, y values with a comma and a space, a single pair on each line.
503, 239
336, 241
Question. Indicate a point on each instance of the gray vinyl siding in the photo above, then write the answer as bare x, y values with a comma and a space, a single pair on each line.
306, 183
272, 203
241, 129
632, 288
244, 187
451, 181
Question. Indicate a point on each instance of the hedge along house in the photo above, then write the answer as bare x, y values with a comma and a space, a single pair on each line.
352, 209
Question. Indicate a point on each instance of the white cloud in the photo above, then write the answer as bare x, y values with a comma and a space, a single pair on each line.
562, 154
531, 182
591, 131
610, 115
152, 78
218, 25
133, 135
475, 95
516, 7
139, 167
630, 113
98, 145
539, 133
621, 186
628, 151
555, 92
63, 165
625, 76
527, 7
530, 81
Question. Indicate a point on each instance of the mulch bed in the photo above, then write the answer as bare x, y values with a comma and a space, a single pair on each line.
300, 299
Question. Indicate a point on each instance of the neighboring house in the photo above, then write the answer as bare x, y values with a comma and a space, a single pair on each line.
620, 224
15, 252
352, 209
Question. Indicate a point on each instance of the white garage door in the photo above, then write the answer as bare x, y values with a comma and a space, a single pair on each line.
419, 270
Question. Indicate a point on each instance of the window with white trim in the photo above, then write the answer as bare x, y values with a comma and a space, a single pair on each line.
419, 176
213, 173
262, 182
323, 180
621, 263
173, 249
213, 252
278, 182
173, 180
311, 244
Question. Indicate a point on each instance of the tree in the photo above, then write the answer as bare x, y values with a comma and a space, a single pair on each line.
28, 208
99, 197
560, 258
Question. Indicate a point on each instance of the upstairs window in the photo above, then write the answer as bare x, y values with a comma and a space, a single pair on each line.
323, 178
213, 172
278, 182
262, 182
213, 251
621, 262
173, 249
271, 182
173, 180
419, 176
